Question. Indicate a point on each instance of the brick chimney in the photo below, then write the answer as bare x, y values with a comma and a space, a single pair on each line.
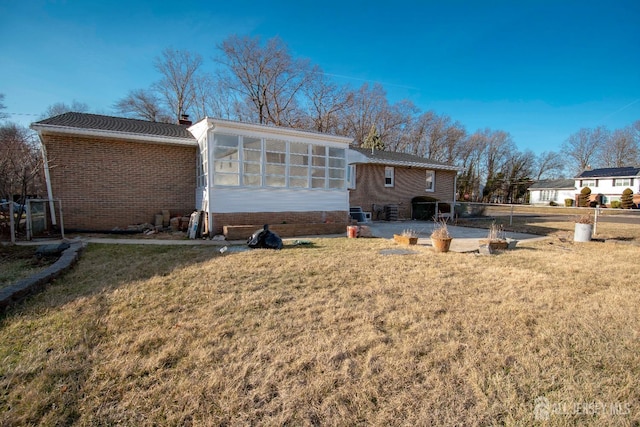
184, 120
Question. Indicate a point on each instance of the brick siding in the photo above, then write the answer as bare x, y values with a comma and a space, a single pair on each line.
107, 183
261, 218
408, 183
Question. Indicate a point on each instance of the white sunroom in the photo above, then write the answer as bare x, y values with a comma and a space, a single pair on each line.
249, 173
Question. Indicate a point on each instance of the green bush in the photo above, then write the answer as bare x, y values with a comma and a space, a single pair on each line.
552, 203
583, 200
568, 202
616, 204
627, 198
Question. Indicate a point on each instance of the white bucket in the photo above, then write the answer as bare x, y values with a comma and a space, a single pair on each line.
582, 232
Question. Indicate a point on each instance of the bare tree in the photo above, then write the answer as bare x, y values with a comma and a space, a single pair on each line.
364, 109
517, 171
61, 108
179, 70
620, 149
3, 115
324, 100
548, 165
267, 77
20, 162
212, 99
583, 148
470, 157
142, 104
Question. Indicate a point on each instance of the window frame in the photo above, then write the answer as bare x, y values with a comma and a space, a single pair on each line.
389, 176
430, 177
623, 182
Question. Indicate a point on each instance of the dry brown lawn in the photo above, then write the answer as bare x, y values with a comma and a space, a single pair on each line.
331, 334
19, 262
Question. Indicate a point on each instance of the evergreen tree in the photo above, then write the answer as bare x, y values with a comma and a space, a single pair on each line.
373, 140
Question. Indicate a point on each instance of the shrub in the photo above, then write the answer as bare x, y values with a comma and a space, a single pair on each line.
627, 198
584, 219
568, 202
441, 231
552, 203
583, 200
616, 204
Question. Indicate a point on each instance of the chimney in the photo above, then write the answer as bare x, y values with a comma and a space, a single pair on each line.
184, 120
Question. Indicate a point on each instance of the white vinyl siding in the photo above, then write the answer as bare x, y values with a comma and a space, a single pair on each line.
351, 177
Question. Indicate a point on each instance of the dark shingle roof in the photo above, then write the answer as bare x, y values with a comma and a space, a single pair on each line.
116, 124
553, 184
392, 157
610, 172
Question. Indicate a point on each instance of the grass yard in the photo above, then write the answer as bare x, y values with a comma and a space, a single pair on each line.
331, 334
551, 226
19, 262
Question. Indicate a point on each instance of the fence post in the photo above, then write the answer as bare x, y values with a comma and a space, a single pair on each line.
595, 221
28, 223
511, 216
12, 223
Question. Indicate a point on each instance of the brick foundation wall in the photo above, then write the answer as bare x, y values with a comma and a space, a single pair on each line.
106, 183
409, 183
272, 218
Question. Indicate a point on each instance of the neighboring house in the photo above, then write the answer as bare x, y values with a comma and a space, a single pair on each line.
112, 172
382, 178
550, 191
609, 183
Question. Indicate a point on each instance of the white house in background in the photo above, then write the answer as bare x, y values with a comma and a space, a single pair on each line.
554, 190
256, 174
609, 183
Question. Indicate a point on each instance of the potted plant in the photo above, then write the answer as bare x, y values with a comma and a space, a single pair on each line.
408, 237
583, 228
495, 240
440, 237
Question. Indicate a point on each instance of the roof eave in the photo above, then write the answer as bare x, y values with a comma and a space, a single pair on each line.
156, 139
409, 164
276, 130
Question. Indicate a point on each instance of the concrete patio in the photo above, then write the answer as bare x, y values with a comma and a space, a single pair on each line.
465, 239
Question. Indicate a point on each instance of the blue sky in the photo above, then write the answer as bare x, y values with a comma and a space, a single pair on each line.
540, 70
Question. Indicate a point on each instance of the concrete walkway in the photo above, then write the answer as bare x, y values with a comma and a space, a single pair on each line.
465, 239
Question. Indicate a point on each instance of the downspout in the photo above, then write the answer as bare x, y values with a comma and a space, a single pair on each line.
210, 148
455, 191
47, 177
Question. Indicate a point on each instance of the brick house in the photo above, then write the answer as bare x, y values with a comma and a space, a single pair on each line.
382, 178
113, 172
